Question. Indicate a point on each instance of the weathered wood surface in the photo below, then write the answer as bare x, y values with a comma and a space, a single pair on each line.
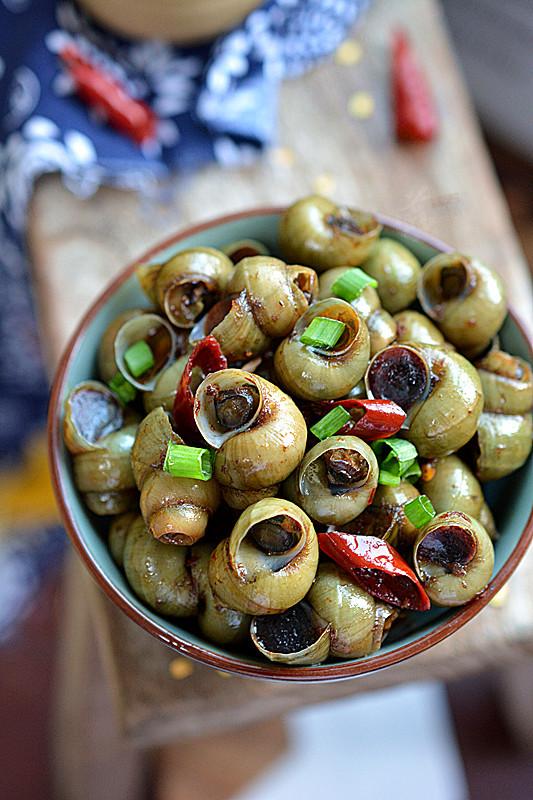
447, 188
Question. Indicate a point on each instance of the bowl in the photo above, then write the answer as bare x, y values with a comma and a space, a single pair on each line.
419, 631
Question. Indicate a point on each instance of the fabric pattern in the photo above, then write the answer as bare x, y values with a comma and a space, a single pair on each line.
213, 102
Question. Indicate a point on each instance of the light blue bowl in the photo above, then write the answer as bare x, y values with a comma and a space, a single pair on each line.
509, 498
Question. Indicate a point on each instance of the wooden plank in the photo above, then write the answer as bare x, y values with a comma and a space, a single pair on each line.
447, 188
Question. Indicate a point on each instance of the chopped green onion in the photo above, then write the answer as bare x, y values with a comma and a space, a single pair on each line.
183, 461
351, 283
323, 332
139, 358
122, 388
387, 478
412, 473
419, 511
400, 463
331, 423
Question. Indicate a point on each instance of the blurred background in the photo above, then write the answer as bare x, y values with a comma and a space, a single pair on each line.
229, 104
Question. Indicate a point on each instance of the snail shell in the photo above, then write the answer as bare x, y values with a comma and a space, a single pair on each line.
358, 621
316, 231
278, 293
465, 298
336, 480
269, 561
186, 285
232, 323
258, 431
176, 510
91, 412
108, 468
507, 383
454, 558
319, 374
296, 636
439, 390
158, 573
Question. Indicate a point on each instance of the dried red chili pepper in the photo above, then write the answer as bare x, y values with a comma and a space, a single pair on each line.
414, 110
371, 419
106, 94
376, 567
208, 357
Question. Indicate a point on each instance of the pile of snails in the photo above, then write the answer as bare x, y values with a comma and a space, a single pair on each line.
286, 490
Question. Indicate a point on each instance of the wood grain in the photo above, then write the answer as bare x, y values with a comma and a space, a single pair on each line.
448, 188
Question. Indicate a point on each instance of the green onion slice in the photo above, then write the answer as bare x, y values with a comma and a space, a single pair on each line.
183, 461
419, 511
139, 358
323, 332
331, 423
122, 388
398, 464
351, 283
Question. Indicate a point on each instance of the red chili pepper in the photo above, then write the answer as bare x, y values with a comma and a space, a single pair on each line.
414, 110
372, 419
377, 568
208, 357
100, 91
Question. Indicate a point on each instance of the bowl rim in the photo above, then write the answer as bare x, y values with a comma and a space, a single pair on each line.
302, 674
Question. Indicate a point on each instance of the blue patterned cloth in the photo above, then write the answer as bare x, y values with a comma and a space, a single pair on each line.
213, 102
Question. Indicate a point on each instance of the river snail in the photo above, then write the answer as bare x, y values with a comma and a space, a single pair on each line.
319, 373
158, 341
336, 480
257, 430
503, 439
454, 558
265, 298
268, 562
358, 622
158, 573
317, 232
465, 298
188, 284
100, 437
439, 390
295, 636
175, 509
396, 270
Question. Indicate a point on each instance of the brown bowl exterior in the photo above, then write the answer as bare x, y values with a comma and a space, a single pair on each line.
308, 674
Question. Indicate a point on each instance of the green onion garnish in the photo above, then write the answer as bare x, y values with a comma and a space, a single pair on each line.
351, 283
183, 461
400, 463
412, 473
323, 332
122, 388
331, 423
419, 511
139, 358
